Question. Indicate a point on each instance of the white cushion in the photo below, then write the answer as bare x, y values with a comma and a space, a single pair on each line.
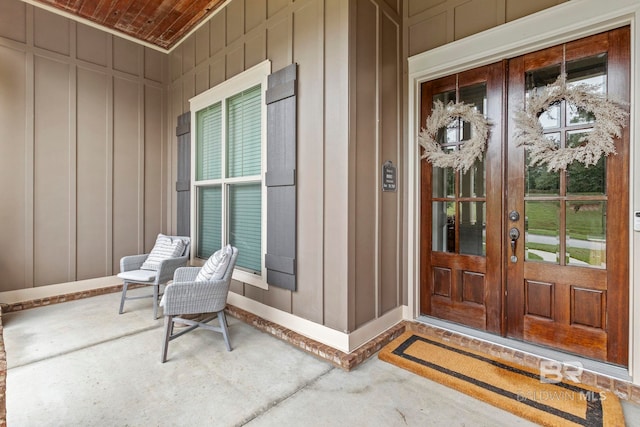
216, 265
165, 248
164, 296
138, 275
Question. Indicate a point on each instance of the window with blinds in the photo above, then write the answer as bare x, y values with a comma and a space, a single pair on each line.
229, 177
243, 133
209, 143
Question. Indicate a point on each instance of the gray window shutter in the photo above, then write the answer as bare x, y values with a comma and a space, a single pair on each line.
183, 132
280, 259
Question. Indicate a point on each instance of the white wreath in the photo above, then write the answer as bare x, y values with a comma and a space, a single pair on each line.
472, 149
609, 119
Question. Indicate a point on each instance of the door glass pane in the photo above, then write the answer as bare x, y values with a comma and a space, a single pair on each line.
542, 231
577, 138
541, 77
591, 71
582, 180
445, 97
210, 221
550, 118
472, 183
539, 181
444, 223
245, 219
472, 228
450, 133
475, 95
538, 79
443, 181
586, 233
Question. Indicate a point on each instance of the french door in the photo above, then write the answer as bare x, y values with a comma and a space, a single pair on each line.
461, 215
514, 249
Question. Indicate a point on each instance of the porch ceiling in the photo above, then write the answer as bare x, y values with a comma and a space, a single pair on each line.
158, 22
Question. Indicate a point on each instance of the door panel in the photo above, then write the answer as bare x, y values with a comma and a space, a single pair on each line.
562, 279
565, 289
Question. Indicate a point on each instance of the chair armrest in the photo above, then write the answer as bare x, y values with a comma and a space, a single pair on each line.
186, 274
168, 266
132, 262
195, 297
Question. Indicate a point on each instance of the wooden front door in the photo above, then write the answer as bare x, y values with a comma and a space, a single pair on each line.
563, 283
462, 212
569, 287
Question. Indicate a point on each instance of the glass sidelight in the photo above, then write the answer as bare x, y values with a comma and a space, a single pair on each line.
565, 212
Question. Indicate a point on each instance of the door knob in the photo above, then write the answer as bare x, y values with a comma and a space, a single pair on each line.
514, 235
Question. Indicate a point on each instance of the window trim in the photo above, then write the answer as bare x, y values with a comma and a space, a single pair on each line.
256, 75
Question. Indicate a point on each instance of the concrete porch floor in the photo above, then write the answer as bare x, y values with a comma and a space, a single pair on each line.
79, 363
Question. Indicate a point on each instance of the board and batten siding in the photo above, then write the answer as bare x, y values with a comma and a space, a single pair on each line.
348, 232
82, 148
432, 23
376, 217
88, 152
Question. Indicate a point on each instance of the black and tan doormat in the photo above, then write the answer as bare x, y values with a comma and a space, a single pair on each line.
544, 400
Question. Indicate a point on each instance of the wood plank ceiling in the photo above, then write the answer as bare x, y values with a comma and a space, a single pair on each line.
159, 22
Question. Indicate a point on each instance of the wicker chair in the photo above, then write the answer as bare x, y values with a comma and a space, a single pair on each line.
185, 296
131, 272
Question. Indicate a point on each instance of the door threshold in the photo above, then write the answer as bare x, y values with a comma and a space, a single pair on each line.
597, 367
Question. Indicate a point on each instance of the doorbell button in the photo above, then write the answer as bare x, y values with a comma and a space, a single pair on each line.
636, 220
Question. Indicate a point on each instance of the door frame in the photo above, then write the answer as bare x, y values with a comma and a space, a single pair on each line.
535, 32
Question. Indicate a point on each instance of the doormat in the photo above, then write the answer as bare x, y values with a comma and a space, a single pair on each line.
507, 386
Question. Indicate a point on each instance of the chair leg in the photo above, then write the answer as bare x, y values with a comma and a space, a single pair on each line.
124, 296
225, 332
168, 330
156, 290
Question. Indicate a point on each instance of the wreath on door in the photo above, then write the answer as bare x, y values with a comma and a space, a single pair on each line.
598, 142
442, 116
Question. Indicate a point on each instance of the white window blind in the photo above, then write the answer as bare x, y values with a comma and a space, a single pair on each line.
243, 133
209, 142
245, 201
240, 224
209, 220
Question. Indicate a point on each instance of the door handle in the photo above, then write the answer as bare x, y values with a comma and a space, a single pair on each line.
514, 235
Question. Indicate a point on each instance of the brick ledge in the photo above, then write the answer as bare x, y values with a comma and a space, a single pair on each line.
346, 361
